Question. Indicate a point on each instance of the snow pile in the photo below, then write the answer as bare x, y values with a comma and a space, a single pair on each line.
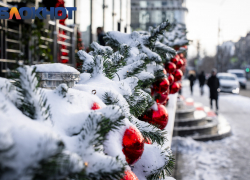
55, 67
202, 160
66, 138
25, 143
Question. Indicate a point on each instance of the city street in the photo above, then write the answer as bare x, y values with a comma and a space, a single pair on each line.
227, 159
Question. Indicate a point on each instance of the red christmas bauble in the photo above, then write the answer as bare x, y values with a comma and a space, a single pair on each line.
170, 79
158, 118
177, 75
175, 87
161, 86
161, 98
175, 59
179, 64
129, 175
170, 67
95, 106
133, 145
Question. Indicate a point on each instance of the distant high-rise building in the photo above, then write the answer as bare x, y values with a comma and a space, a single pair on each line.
145, 13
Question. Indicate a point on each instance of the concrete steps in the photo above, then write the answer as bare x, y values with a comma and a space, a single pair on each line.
198, 124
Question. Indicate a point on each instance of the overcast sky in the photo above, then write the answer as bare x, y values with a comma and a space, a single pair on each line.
203, 17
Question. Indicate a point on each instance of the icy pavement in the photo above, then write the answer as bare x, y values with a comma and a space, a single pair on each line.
227, 159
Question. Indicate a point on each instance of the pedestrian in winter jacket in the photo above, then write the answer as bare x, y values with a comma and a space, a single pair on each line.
202, 80
213, 84
191, 80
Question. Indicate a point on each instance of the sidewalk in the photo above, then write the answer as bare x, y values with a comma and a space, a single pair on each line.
227, 159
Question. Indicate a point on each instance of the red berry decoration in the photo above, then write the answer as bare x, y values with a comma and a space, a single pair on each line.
95, 106
129, 175
133, 145
158, 118
170, 79
175, 87
170, 67
177, 75
179, 64
161, 98
161, 86
175, 59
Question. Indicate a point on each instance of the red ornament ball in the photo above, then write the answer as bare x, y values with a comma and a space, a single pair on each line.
175, 87
170, 67
158, 117
179, 64
170, 79
177, 75
129, 175
95, 106
161, 98
133, 145
175, 59
161, 86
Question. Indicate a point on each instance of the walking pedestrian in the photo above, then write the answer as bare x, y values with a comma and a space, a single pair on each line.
214, 84
191, 80
100, 35
202, 80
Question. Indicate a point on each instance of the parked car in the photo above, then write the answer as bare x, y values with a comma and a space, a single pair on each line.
229, 83
241, 75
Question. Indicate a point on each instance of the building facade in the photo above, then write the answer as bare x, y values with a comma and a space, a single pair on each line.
112, 15
234, 55
147, 13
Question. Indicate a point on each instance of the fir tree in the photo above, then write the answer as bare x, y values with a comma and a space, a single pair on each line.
33, 102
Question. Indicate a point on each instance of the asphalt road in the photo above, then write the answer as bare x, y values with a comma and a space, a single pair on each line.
227, 159
246, 92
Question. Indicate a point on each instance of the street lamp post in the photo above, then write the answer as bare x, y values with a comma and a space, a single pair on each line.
219, 30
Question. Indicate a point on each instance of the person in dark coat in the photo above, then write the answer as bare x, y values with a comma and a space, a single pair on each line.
191, 80
214, 85
202, 80
100, 35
